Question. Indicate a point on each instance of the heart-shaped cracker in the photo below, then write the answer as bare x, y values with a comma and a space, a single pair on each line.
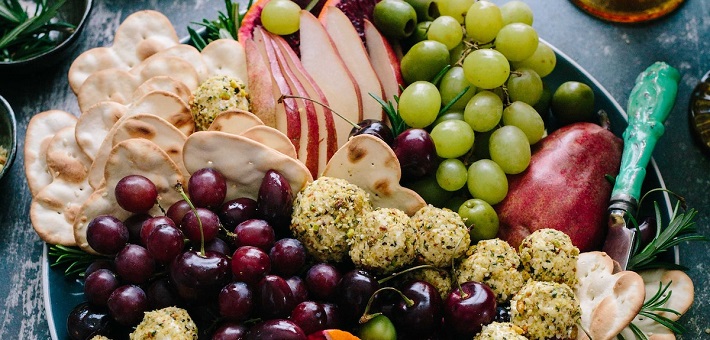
682, 295
608, 301
234, 121
242, 161
40, 130
119, 85
141, 125
139, 36
135, 156
370, 163
55, 207
96, 123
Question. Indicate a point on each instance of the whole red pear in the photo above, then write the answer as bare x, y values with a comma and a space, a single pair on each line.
564, 187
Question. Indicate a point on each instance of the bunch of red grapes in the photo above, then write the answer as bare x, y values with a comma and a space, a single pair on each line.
240, 274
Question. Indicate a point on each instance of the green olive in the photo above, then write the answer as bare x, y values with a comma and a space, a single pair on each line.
573, 102
424, 61
396, 19
419, 34
481, 216
427, 10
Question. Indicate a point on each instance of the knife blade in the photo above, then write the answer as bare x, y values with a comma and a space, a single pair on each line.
650, 103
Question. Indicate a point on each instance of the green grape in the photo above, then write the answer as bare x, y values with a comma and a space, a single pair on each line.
516, 11
487, 181
483, 111
481, 217
452, 138
446, 30
424, 61
455, 8
450, 115
573, 102
451, 174
509, 148
483, 21
543, 61
524, 85
452, 83
526, 118
281, 17
419, 104
419, 34
428, 188
517, 41
486, 68
543, 105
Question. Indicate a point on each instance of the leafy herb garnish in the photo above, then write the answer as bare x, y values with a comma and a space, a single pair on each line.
398, 124
23, 36
75, 259
653, 308
225, 27
681, 228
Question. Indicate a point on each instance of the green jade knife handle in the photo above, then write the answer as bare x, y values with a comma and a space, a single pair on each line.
650, 102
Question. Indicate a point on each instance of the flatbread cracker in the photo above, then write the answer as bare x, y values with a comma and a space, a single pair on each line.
139, 36
245, 168
370, 163
272, 138
95, 123
164, 83
134, 156
54, 208
683, 293
234, 121
226, 57
609, 301
40, 130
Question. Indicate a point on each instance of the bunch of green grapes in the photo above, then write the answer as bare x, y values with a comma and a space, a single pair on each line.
475, 82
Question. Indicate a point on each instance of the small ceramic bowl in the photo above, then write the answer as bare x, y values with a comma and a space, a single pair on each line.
8, 134
75, 12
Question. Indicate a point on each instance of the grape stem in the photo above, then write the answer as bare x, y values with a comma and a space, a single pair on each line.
366, 316
397, 274
182, 193
284, 96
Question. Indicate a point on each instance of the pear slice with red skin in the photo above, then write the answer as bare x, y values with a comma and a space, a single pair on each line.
320, 58
353, 52
328, 143
307, 150
261, 87
384, 61
288, 119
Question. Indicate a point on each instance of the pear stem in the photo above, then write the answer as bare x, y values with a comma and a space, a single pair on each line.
319, 103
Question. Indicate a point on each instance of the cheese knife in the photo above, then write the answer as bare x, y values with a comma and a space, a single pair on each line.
650, 103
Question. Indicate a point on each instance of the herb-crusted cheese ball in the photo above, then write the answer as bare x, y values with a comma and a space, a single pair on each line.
439, 278
500, 331
216, 95
495, 263
167, 323
549, 255
383, 242
546, 310
325, 214
442, 236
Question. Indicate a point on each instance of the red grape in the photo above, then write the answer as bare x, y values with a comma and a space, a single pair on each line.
150, 223
136, 193
275, 200
236, 301
276, 329
127, 304
274, 297
199, 276
236, 211
255, 233
191, 226
165, 242
322, 280
106, 234
99, 285
134, 264
310, 316
468, 308
416, 153
207, 188
230, 331
86, 321
178, 210
288, 256
250, 264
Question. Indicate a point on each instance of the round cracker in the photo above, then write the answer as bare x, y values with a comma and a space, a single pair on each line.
234, 121
55, 208
226, 57
65, 159
40, 130
163, 83
94, 124
242, 161
272, 138
370, 163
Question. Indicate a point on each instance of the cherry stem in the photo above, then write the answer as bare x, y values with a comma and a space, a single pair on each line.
366, 316
319, 103
180, 190
411, 269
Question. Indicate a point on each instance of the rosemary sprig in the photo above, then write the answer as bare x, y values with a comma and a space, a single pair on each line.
653, 308
225, 27
398, 124
681, 228
75, 259
23, 36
